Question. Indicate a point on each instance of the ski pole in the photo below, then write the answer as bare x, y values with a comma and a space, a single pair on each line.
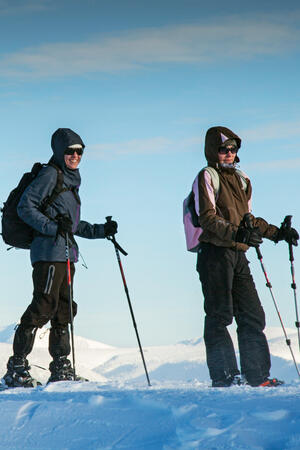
70, 302
119, 249
249, 224
287, 223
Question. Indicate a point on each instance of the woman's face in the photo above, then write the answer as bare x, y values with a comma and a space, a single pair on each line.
229, 157
72, 161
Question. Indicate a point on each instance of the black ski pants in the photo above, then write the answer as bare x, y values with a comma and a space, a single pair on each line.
229, 291
50, 303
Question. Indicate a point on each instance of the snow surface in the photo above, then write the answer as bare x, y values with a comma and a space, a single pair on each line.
117, 410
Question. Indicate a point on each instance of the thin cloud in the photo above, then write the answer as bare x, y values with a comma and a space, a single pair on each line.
20, 6
274, 130
280, 164
235, 38
154, 145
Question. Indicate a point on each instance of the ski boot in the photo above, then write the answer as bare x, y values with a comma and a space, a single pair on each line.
18, 375
61, 370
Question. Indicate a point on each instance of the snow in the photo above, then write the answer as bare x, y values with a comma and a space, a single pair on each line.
117, 410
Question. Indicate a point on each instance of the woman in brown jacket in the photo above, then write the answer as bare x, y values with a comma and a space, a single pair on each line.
227, 284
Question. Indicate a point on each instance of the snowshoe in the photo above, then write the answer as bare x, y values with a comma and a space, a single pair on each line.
267, 382
18, 374
271, 382
61, 370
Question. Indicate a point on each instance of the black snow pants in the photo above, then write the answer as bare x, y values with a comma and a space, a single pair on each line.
229, 291
50, 302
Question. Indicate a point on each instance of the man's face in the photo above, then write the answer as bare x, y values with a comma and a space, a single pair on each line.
227, 154
72, 160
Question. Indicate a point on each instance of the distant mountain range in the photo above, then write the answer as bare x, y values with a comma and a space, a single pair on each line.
183, 361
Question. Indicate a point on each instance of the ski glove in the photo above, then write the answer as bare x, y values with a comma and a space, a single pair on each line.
64, 225
249, 236
290, 235
110, 228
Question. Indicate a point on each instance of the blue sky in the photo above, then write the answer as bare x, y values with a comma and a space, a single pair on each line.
141, 82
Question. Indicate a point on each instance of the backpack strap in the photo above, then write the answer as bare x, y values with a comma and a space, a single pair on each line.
76, 195
58, 189
215, 180
242, 178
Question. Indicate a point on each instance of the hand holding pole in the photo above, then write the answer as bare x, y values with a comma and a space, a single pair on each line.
113, 239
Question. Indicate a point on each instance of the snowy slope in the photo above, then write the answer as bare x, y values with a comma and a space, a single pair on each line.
179, 411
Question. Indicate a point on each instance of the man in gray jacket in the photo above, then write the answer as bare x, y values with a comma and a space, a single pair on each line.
48, 257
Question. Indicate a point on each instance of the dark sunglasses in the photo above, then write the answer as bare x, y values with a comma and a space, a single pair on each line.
71, 151
225, 150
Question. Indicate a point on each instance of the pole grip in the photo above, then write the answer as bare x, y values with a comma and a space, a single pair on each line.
287, 222
248, 220
258, 252
113, 239
249, 224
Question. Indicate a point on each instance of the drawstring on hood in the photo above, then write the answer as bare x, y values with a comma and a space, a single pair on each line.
214, 139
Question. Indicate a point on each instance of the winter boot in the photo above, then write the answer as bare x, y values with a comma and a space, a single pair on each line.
236, 380
61, 370
231, 380
17, 374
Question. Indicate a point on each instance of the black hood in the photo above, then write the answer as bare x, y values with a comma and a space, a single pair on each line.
61, 139
214, 138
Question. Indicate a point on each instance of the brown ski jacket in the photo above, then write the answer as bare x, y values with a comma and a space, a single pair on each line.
221, 214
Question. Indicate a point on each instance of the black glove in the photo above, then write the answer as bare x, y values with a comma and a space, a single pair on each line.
110, 228
64, 225
249, 236
290, 235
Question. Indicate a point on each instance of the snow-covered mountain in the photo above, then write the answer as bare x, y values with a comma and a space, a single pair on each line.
117, 409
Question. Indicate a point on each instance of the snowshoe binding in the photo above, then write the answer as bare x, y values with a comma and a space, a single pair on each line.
61, 370
18, 374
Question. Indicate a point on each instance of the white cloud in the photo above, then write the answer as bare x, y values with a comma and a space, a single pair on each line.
235, 38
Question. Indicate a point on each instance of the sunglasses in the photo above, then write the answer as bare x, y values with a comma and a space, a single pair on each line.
71, 151
226, 150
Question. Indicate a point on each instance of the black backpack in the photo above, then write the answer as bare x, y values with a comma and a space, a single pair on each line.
15, 232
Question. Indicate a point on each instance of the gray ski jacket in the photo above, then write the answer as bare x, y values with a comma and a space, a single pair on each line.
47, 245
